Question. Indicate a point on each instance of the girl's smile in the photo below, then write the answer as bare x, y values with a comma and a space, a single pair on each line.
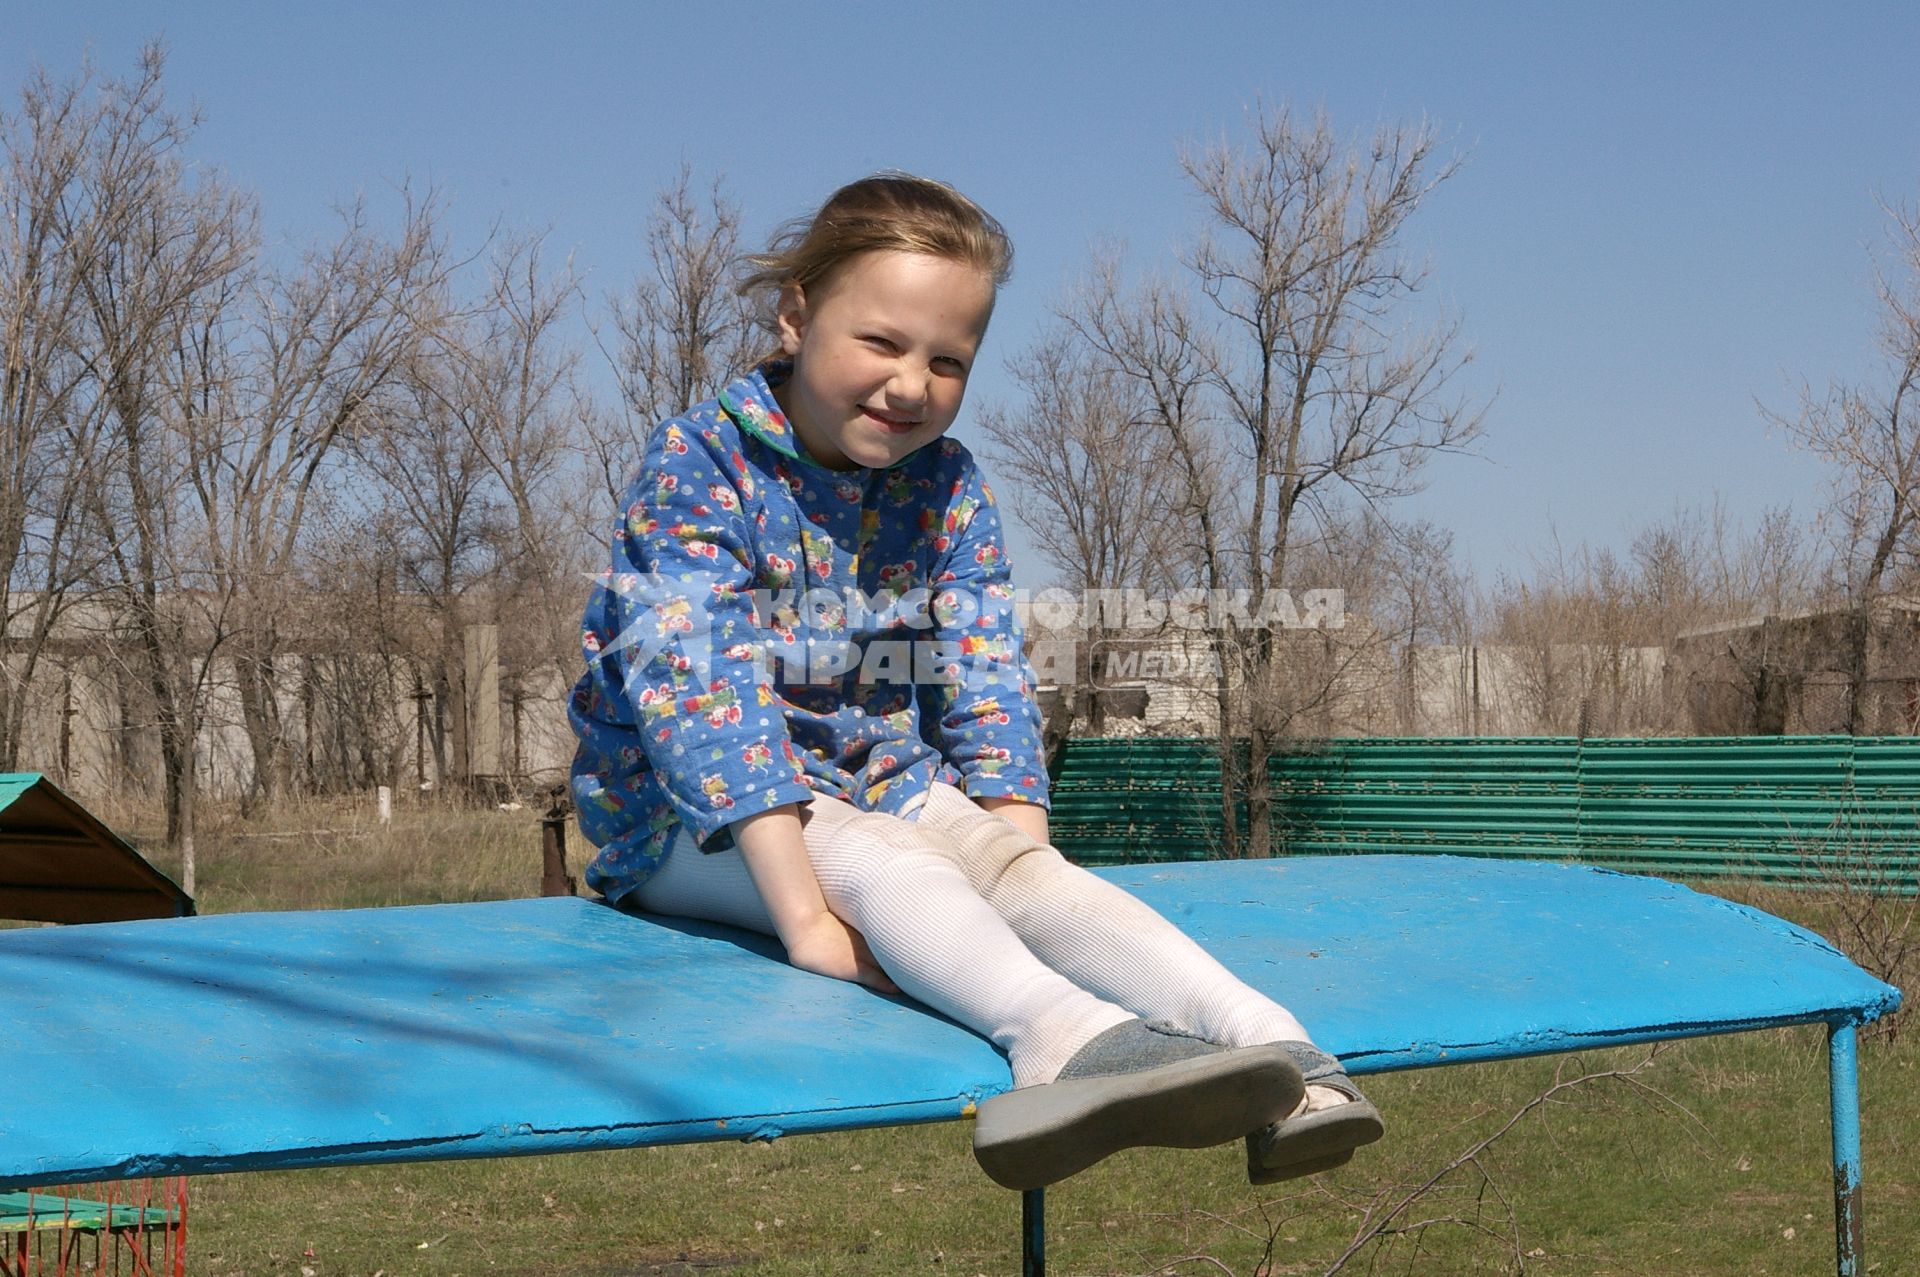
898, 427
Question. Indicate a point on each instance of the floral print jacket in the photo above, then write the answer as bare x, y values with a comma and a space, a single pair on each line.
771, 630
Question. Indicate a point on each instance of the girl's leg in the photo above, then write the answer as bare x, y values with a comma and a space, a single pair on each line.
944, 945
710, 888
1106, 940
1090, 1078
1100, 937
937, 939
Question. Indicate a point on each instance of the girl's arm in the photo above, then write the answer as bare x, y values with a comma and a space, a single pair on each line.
675, 622
984, 721
1029, 818
816, 939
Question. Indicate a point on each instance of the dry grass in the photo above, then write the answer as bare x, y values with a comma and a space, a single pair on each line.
335, 854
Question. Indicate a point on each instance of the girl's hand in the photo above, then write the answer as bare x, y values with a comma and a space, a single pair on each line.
827, 946
816, 940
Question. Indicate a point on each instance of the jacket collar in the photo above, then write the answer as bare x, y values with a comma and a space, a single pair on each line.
750, 402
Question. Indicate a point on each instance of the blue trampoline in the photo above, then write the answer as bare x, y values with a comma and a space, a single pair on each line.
543, 1026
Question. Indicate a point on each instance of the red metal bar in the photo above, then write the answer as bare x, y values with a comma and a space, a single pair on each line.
180, 1229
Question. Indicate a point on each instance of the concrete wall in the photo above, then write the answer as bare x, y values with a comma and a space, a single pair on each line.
1352, 683
342, 720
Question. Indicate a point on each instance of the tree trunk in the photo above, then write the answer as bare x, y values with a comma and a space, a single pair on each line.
450, 699
14, 709
1087, 693
1859, 630
1230, 844
1259, 792
174, 715
257, 713
180, 819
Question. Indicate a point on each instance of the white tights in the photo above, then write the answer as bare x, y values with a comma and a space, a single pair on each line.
973, 918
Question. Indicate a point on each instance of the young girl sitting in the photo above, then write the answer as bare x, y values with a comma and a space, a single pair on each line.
806, 712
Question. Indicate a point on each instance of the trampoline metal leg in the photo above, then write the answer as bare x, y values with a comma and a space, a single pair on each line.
1033, 1233
1844, 1092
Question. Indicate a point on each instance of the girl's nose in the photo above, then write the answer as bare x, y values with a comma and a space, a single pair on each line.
909, 386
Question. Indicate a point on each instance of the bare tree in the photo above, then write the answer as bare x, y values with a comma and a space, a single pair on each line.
218, 387
1777, 567
172, 408
1870, 435
171, 248
515, 393
430, 487
49, 424
683, 330
1416, 596
1288, 389
1331, 398
358, 630
264, 402
1578, 630
1081, 445
1149, 340
477, 469
1536, 627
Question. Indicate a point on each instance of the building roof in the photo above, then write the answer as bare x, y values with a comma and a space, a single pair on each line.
1884, 603
58, 863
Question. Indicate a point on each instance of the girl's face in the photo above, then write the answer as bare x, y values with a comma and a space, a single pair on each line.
881, 351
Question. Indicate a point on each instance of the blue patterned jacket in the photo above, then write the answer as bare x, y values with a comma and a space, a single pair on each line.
771, 629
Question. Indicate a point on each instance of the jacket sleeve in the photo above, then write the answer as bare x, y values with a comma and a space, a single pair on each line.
982, 715
686, 648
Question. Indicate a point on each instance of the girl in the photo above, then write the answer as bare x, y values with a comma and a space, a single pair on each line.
806, 712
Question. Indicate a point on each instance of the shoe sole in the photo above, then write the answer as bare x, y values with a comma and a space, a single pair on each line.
1312, 1143
1040, 1135
1299, 1170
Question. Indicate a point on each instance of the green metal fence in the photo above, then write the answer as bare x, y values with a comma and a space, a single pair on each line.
1784, 808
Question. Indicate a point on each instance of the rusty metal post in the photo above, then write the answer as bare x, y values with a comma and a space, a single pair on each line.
554, 878
1844, 1091
1033, 1233
67, 711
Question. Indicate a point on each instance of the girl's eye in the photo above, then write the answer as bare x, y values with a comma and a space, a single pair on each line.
878, 342
951, 366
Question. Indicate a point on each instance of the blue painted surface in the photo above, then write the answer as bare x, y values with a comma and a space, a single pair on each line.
1397, 962
1844, 1091
381, 1035
1033, 1233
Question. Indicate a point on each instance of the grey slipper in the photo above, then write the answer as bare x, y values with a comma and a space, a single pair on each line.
1039, 1135
1310, 1143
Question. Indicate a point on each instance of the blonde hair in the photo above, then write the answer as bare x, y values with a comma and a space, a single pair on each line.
888, 212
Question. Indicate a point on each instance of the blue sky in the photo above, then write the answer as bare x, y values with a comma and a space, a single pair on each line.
1666, 211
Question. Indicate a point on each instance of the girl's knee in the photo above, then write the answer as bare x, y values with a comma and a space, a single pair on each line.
1008, 860
896, 888
856, 837
872, 857
1042, 866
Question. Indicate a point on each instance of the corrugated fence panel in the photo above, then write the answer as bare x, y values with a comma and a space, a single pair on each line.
1715, 806
1502, 797
1135, 800
1789, 809
1881, 823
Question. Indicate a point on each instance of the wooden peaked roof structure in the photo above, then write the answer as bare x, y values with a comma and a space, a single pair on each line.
58, 863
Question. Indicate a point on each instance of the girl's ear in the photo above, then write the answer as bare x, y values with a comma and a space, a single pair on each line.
791, 317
